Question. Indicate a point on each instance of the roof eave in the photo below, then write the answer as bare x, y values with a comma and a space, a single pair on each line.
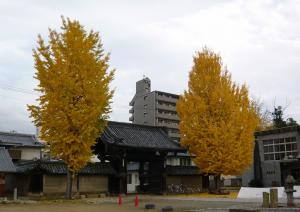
147, 148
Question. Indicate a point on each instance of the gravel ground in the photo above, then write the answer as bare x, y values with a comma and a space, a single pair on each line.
111, 204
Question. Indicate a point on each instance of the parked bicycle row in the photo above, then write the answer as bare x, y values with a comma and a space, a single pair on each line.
183, 189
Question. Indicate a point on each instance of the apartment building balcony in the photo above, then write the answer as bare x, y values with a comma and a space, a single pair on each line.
168, 125
131, 110
167, 116
131, 103
165, 107
131, 118
166, 98
173, 134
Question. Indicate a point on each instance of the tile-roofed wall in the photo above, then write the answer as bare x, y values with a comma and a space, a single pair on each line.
18, 139
60, 168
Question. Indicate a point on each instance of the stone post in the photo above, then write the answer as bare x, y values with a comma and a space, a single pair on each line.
15, 194
266, 200
273, 198
289, 190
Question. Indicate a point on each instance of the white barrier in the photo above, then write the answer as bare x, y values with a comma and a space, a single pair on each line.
297, 193
255, 193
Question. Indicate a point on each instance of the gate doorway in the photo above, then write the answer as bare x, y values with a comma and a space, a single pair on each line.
36, 183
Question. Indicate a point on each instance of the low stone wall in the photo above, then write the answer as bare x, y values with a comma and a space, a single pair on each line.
56, 184
93, 184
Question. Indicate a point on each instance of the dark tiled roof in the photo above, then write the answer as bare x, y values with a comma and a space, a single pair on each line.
6, 164
26, 166
18, 139
183, 170
138, 136
278, 130
59, 167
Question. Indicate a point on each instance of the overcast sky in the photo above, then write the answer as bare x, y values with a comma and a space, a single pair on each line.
259, 41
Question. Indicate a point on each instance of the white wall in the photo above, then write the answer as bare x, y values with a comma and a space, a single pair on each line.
131, 188
250, 193
30, 153
173, 161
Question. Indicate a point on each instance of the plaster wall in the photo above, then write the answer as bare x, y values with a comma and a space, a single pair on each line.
93, 184
30, 153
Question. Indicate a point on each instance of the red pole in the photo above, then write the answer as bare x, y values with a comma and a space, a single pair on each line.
136, 201
120, 200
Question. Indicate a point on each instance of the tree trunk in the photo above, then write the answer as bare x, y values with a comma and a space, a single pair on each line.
217, 183
69, 185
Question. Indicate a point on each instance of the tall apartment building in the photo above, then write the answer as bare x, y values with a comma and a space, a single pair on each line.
154, 108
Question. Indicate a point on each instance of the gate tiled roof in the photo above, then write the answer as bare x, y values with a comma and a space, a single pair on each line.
139, 136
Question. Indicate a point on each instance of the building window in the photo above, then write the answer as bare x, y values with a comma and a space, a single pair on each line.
185, 161
173, 105
280, 149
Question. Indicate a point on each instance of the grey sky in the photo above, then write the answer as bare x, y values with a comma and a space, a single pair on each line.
259, 41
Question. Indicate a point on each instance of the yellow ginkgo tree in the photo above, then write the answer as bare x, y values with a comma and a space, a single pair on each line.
217, 118
73, 79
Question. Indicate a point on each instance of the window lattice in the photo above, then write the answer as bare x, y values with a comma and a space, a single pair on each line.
280, 149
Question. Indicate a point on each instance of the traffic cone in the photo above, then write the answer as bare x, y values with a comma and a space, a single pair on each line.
136, 201
120, 200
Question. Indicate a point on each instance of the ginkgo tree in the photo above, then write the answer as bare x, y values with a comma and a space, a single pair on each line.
73, 79
217, 118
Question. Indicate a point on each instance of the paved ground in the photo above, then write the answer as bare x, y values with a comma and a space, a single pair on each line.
110, 205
